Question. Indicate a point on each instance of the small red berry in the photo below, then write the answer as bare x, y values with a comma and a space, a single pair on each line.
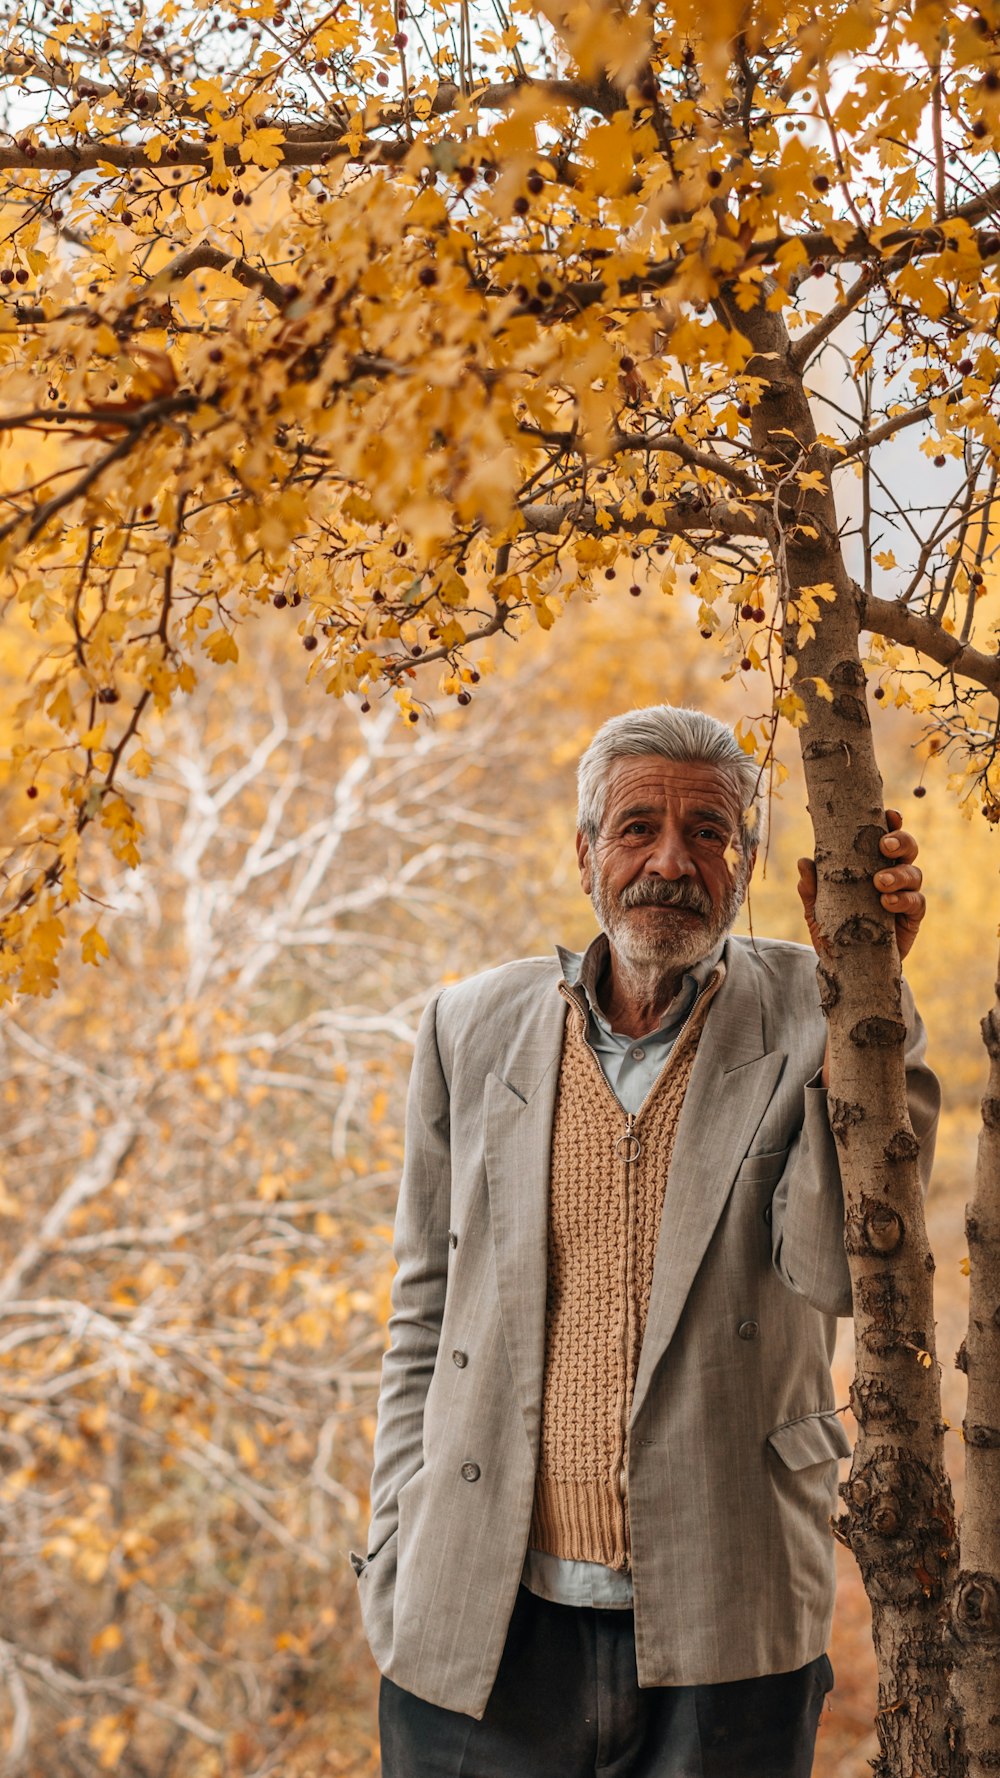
427, 276
32, 790
745, 665
280, 601
919, 790
966, 366
635, 591
879, 693
465, 697
940, 461
310, 642
746, 612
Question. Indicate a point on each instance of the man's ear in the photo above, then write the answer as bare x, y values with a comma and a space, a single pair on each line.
583, 860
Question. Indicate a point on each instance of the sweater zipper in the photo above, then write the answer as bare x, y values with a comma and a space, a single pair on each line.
630, 1148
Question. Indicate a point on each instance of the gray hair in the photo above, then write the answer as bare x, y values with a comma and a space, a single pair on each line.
673, 732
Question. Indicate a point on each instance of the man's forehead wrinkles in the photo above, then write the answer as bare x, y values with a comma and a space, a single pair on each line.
701, 812
669, 777
655, 794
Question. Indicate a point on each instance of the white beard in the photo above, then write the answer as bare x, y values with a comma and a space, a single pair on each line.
668, 935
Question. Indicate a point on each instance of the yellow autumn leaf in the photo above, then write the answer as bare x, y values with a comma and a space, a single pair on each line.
107, 1640
220, 646
263, 147
229, 1069
93, 945
108, 1738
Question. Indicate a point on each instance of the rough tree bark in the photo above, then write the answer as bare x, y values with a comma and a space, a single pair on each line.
899, 1518
975, 1599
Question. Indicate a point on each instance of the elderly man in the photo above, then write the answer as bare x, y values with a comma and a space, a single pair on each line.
607, 1442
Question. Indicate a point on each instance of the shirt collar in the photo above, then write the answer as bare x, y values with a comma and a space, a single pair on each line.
582, 970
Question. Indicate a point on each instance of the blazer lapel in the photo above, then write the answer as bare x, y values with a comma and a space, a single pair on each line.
731, 1082
518, 1113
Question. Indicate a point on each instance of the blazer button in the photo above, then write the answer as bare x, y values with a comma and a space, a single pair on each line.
748, 1330
470, 1472
461, 1359
767, 1214
452, 1238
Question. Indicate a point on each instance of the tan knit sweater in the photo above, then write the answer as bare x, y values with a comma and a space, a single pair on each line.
608, 1173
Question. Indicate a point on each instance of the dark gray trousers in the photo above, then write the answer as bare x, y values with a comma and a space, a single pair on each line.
567, 1704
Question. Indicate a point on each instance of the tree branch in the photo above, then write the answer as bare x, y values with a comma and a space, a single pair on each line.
866, 441
806, 348
730, 517
204, 257
888, 617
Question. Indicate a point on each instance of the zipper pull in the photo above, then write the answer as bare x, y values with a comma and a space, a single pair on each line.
632, 1148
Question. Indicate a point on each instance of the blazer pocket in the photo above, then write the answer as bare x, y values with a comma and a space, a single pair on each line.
763, 1169
361, 1564
814, 1438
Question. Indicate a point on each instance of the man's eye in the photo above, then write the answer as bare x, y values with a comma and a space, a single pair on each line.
709, 833
637, 827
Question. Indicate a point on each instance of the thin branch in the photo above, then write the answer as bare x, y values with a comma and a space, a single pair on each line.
93, 1177
62, 1681
888, 617
866, 441
203, 256
807, 347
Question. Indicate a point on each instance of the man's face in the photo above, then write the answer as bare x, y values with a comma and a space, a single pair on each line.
668, 872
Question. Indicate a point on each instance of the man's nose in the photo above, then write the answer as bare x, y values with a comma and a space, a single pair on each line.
670, 857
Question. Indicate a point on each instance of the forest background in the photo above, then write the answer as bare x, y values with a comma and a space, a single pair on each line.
201, 1154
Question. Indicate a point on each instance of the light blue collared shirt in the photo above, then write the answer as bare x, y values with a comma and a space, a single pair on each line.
631, 1067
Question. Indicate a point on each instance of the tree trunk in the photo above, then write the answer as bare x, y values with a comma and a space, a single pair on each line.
975, 1600
899, 1518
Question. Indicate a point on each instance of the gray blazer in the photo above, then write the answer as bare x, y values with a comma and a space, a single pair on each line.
734, 1436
